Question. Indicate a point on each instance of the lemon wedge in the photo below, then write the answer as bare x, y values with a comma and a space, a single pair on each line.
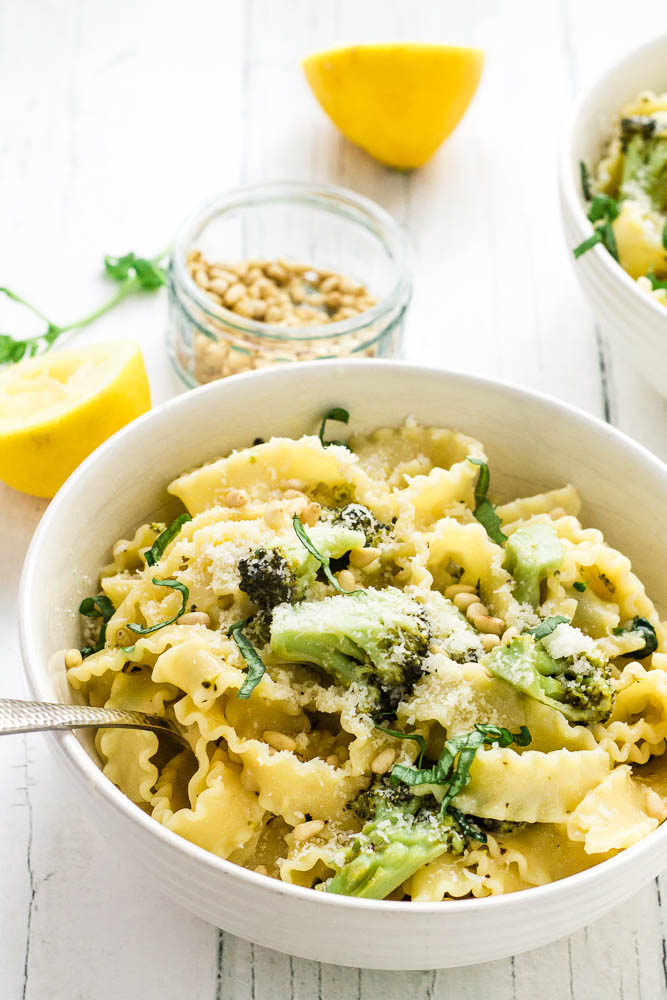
57, 408
396, 101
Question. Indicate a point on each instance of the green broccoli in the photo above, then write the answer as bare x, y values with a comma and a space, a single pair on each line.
531, 552
578, 686
359, 518
644, 143
402, 832
272, 576
377, 638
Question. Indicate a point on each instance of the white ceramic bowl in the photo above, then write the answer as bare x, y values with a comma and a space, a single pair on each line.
631, 319
534, 443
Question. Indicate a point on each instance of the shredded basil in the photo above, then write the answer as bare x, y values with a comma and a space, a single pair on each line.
324, 561
585, 180
484, 510
96, 607
645, 631
175, 585
467, 825
453, 767
549, 625
664, 236
656, 283
579, 585
602, 213
417, 737
336, 413
156, 551
256, 665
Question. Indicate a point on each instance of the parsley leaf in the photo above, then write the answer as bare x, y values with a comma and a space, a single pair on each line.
256, 665
549, 625
484, 510
417, 737
324, 561
175, 585
149, 273
336, 413
156, 551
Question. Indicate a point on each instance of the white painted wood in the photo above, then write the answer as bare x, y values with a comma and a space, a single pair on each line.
117, 120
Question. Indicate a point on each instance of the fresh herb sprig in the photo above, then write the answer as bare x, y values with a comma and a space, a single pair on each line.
97, 607
336, 413
156, 551
175, 585
484, 510
453, 766
548, 626
417, 737
603, 211
256, 665
133, 274
323, 560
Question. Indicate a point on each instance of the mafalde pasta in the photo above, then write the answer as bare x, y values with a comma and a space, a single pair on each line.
389, 687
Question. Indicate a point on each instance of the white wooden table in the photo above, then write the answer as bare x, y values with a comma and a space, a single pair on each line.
118, 119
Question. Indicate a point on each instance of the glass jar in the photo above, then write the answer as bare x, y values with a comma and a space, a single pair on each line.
326, 228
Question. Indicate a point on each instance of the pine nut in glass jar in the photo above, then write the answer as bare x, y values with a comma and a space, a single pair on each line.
274, 273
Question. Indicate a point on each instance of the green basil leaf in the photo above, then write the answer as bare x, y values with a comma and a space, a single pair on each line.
585, 180
579, 585
307, 543
467, 825
97, 607
417, 737
175, 585
256, 665
548, 625
645, 632
336, 413
156, 551
588, 244
484, 510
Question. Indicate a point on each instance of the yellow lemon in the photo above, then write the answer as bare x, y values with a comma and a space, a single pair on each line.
396, 101
57, 408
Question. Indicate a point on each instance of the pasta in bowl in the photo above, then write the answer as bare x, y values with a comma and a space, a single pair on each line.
390, 687
124, 485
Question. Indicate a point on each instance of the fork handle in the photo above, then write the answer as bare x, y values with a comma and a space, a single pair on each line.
37, 716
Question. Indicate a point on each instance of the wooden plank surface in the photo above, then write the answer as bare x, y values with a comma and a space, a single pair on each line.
119, 119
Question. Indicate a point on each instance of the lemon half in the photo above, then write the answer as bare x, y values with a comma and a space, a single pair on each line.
56, 409
397, 101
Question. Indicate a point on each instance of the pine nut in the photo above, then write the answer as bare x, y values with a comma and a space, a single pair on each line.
509, 634
363, 557
73, 658
463, 601
236, 498
476, 609
201, 278
218, 285
311, 514
262, 870
383, 761
489, 641
279, 741
234, 294
488, 625
346, 579
330, 284
273, 515
304, 831
459, 588
195, 618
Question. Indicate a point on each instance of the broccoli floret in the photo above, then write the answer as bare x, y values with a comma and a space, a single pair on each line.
578, 686
531, 553
402, 832
271, 576
644, 142
359, 518
377, 638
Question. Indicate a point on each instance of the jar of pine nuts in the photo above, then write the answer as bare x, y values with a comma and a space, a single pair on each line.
285, 272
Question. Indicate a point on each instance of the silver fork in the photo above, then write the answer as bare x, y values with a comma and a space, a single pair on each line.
37, 716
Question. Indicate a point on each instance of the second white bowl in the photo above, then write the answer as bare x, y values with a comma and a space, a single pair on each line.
631, 319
